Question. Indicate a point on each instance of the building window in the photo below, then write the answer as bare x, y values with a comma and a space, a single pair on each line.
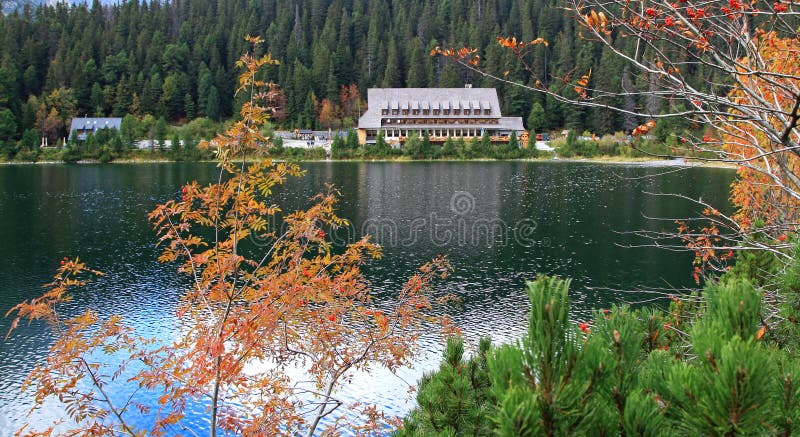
487, 111
425, 112
435, 112
456, 112
384, 112
467, 112
446, 112
415, 112
405, 111
394, 111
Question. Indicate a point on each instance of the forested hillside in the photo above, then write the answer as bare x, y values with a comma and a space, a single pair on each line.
176, 59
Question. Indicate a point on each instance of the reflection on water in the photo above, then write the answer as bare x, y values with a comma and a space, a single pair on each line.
500, 223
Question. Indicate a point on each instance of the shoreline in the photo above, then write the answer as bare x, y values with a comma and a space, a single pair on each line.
611, 160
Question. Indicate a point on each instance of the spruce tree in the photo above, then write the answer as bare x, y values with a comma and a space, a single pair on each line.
426, 148
352, 139
122, 99
392, 75
449, 148
213, 105
416, 67
338, 149
536, 119
204, 84
189, 106
513, 143
98, 100
413, 146
455, 400
381, 147
8, 126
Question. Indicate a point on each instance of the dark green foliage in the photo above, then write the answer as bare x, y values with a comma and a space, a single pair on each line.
176, 151
130, 130
485, 146
70, 153
454, 400
671, 127
705, 367
509, 150
351, 141
8, 126
189, 107
551, 396
413, 146
536, 119
578, 147
30, 139
381, 148
418, 148
213, 110
788, 332
449, 149
338, 148
107, 145
426, 148
276, 148
176, 60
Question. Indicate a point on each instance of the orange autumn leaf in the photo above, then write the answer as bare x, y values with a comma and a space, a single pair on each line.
291, 300
761, 195
761, 332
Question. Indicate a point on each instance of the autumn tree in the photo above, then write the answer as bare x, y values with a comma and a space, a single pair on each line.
749, 101
260, 300
51, 124
351, 103
328, 114
766, 148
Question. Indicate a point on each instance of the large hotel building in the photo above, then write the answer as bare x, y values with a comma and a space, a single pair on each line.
441, 112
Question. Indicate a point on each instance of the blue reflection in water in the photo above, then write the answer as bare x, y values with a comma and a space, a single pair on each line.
500, 223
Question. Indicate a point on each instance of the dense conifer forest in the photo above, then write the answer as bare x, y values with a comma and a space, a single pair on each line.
174, 60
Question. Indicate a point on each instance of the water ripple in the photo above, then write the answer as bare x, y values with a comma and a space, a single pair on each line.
98, 213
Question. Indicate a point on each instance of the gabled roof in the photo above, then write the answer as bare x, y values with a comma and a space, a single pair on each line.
389, 99
93, 124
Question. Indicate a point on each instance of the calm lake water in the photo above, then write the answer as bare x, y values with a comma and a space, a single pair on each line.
500, 223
